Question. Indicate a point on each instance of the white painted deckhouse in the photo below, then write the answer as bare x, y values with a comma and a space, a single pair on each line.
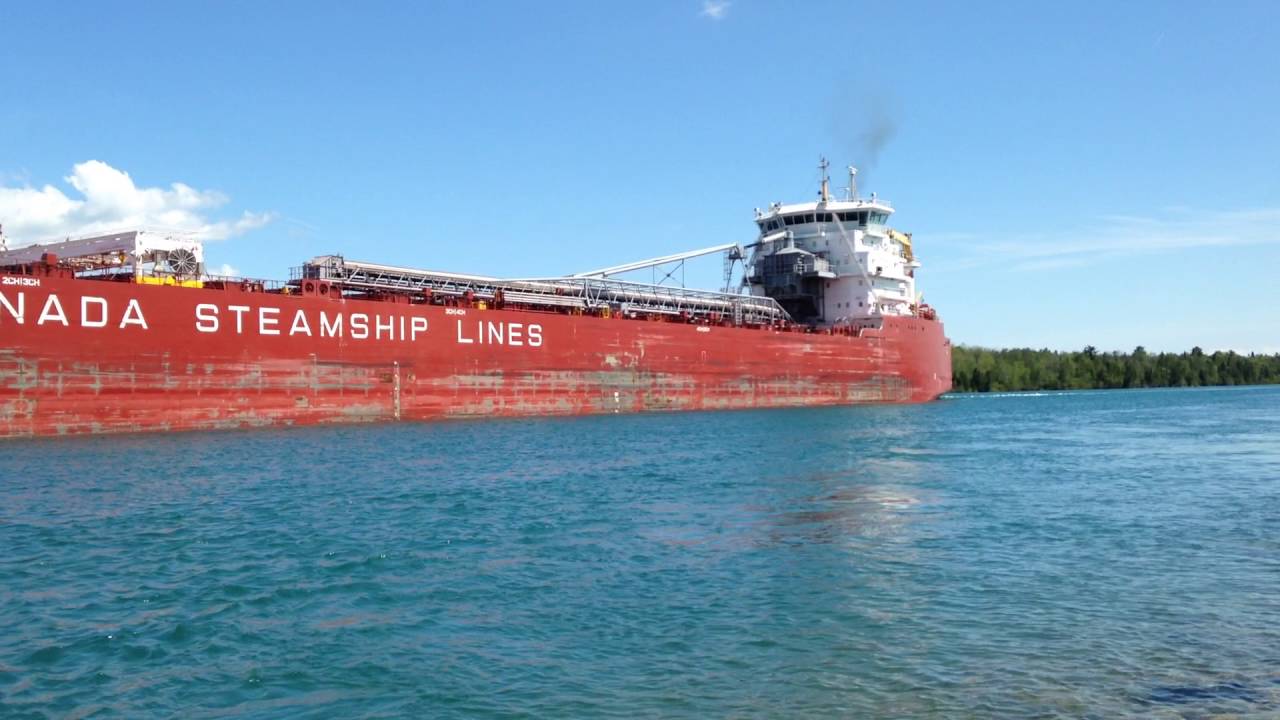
834, 262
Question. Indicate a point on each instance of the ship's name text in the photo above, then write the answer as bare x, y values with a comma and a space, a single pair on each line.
267, 320
96, 312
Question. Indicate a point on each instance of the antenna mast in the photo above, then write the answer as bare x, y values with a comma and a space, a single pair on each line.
826, 183
853, 184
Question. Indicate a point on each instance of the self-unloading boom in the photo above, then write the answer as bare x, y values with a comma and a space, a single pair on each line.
587, 293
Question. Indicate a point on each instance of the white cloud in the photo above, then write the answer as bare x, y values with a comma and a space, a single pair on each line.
225, 270
715, 9
1122, 236
104, 199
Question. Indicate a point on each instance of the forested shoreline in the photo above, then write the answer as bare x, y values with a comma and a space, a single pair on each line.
976, 369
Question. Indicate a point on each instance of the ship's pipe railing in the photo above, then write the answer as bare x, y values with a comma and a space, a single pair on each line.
560, 292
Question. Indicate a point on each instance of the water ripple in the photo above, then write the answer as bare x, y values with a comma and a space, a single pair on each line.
1082, 555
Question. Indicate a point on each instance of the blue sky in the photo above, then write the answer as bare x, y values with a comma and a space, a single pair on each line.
1086, 173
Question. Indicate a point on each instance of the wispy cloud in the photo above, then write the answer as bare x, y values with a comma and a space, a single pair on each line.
103, 198
1110, 237
715, 9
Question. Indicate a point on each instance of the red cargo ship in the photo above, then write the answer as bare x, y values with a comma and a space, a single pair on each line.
126, 332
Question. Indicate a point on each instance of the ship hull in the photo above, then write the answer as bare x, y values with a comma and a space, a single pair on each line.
81, 356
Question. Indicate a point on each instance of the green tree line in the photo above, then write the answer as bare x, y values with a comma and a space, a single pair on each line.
977, 369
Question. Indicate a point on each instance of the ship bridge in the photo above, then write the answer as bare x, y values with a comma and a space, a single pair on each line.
834, 261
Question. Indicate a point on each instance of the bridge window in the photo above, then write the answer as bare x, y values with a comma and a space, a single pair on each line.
790, 219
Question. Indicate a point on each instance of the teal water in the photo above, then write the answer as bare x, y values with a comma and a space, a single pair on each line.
1094, 554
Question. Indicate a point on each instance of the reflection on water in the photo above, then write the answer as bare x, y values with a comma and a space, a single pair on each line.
845, 514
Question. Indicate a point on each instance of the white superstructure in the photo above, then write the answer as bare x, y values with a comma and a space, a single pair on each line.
832, 261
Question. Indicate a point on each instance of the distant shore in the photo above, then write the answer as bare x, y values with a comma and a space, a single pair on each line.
976, 369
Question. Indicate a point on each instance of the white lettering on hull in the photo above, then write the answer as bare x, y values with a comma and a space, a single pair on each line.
133, 315
95, 312
379, 326
17, 311
53, 311
101, 304
268, 320
359, 326
206, 318
328, 329
513, 334
239, 310
300, 324
211, 318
